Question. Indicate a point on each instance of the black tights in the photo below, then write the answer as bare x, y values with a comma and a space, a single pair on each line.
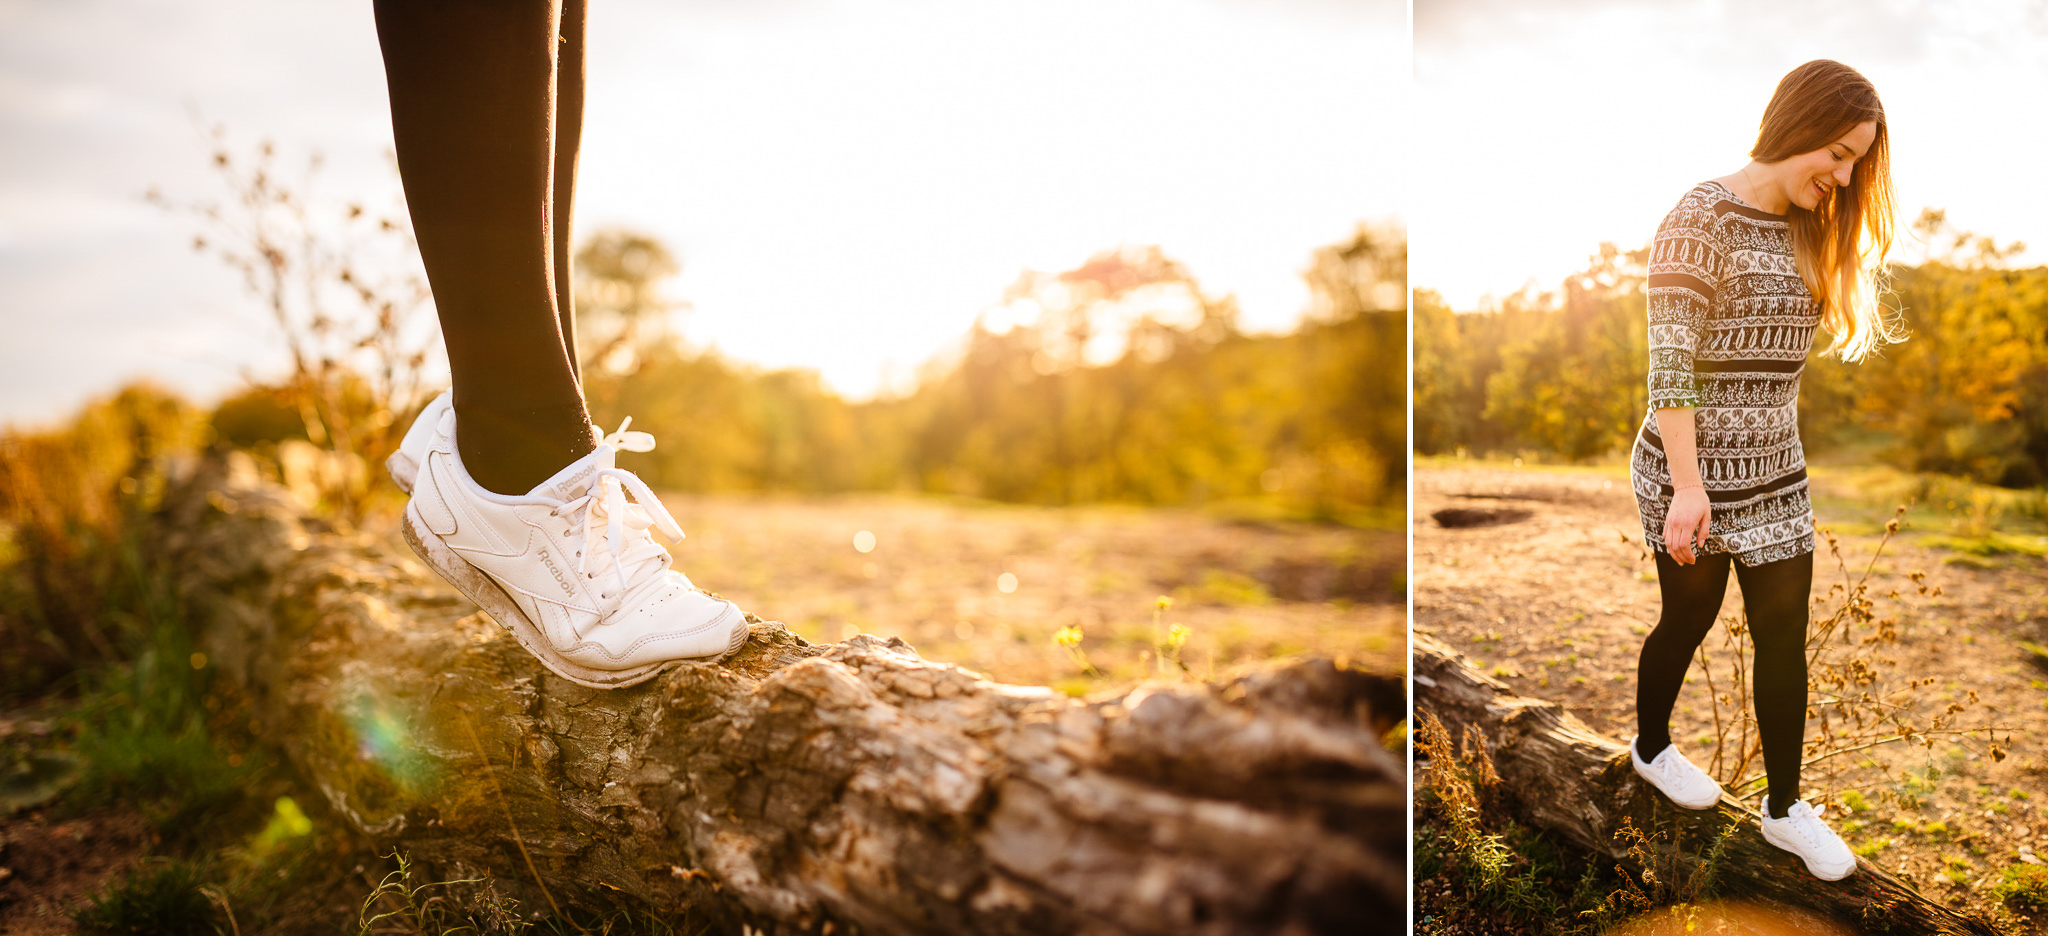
487, 116
1774, 597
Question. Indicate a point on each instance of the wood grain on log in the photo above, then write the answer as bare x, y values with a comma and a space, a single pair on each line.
797, 787
1564, 777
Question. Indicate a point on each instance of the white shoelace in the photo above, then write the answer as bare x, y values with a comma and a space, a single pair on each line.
1673, 769
1807, 822
622, 523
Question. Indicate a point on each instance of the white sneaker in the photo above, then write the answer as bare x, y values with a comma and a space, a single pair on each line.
1676, 777
404, 464
569, 568
1802, 833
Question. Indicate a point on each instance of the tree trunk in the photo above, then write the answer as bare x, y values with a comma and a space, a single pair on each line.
851, 787
1564, 777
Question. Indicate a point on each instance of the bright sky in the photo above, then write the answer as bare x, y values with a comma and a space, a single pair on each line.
847, 183
1545, 127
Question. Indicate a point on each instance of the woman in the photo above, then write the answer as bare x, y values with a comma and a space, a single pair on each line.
1741, 273
525, 510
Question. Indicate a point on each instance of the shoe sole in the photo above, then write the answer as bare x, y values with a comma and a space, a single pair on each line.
488, 595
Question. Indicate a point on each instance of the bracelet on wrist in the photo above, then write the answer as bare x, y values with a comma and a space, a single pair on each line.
1684, 487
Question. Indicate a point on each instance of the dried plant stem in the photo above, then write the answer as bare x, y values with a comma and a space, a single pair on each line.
491, 775
1720, 730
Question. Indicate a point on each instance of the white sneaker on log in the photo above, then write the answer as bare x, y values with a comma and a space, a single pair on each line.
1802, 833
1676, 777
569, 568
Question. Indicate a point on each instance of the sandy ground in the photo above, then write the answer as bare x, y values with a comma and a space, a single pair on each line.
1556, 595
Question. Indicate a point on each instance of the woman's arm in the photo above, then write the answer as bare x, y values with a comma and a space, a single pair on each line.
1685, 524
1684, 274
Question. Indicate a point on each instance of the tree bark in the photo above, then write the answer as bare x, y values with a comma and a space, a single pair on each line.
1564, 777
797, 788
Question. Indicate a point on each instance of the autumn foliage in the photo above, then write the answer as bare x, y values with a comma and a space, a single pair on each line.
1562, 373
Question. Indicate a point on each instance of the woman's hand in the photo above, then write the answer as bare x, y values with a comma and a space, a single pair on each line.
1686, 524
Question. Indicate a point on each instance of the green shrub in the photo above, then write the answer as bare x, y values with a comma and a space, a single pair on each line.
72, 503
2023, 887
144, 735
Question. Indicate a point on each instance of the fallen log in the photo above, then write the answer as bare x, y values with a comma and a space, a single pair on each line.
1564, 777
796, 788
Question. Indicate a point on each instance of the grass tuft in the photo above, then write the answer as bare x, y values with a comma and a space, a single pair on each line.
2023, 887
145, 737
161, 898
399, 904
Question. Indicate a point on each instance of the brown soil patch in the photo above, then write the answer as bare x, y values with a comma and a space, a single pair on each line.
53, 863
1557, 606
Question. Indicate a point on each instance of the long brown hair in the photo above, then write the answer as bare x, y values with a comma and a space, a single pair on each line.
1815, 105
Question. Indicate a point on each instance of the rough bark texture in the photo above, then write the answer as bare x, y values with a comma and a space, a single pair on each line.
852, 787
1563, 776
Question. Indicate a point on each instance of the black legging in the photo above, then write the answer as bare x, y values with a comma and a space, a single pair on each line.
487, 116
1774, 598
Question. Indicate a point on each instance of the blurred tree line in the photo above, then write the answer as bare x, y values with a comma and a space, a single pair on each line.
1563, 373
1120, 380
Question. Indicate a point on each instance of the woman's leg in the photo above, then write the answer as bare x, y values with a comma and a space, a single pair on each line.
1774, 597
569, 76
1692, 598
472, 86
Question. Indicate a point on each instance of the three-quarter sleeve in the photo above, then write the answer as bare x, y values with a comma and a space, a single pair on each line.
1685, 269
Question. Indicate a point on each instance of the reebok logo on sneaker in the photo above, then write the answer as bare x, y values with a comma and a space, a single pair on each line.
577, 482
560, 579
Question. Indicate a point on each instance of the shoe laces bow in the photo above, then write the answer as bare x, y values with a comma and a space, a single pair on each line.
1669, 765
1805, 819
623, 523
1809, 821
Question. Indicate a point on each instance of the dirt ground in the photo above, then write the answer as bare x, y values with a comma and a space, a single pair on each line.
1554, 592
1244, 590
933, 575
52, 863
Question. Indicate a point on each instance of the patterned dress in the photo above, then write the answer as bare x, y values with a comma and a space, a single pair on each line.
1731, 322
